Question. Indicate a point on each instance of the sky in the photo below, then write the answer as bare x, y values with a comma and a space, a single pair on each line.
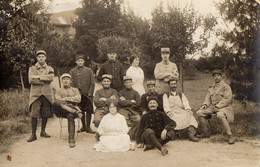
141, 8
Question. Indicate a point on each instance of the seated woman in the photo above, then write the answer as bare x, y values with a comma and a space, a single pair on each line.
113, 132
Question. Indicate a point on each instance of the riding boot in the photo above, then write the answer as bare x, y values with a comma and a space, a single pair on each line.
43, 133
192, 132
71, 130
34, 127
204, 128
83, 121
88, 129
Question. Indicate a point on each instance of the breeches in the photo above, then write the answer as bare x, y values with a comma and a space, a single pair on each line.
41, 108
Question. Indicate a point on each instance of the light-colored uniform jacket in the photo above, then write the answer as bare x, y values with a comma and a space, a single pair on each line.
161, 73
220, 95
40, 86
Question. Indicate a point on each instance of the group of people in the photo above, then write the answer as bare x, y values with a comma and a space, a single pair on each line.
124, 110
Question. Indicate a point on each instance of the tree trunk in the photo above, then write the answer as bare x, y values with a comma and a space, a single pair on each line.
21, 78
58, 72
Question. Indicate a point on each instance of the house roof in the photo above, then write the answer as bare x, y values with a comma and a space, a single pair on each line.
63, 18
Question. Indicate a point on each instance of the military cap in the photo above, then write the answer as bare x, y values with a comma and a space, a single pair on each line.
125, 78
172, 79
111, 50
165, 50
65, 75
152, 82
216, 72
80, 56
40, 52
107, 76
153, 98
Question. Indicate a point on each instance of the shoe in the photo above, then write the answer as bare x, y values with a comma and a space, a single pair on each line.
164, 151
231, 140
194, 139
89, 130
132, 147
72, 145
203, 135
81, 130
32, 138
44, 134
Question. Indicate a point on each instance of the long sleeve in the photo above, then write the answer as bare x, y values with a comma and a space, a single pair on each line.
185, 102
99, 103
123, 103
138, 101
227, 97
72, 79
58, 96
102, 126
166, 105
48, 77
207, 100
124, 127
92, 83
122, 73
32, 79
76, 98
158, 74
143, 103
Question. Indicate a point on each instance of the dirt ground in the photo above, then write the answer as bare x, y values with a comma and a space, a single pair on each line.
182, 153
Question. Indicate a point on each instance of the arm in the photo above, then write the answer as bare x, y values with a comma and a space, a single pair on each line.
34, 79
160, 75
48, 77
207, 100
143, 103
166, 105
76, 98
92, 83
227, 98
99, 103
169, 123
59, 97
124, 127
137, 103
102, 127
185, 102
124, 103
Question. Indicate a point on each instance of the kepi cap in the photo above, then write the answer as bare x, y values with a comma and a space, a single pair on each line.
152, 82
153, 98
125, 78
80, 56
165, 50
172, 79
216, 72
107, 76
40, 52
65, 75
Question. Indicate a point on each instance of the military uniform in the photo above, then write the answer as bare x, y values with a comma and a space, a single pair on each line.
68, 109
83, 79
116, 69
161, 80
144, 101
218, 101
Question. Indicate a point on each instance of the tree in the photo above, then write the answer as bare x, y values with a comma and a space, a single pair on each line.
241, 46
96, 19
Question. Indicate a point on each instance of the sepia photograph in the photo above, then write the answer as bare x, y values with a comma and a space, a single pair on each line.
130, 83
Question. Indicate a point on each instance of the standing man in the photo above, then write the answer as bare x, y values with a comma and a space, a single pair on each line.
129, 105
177, 107
151, 92
218, 101
114, 68
155, 129
83, 79
163, 71
41, 96
65, 105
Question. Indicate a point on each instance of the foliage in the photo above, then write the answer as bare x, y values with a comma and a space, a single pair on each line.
96, 19
240, 44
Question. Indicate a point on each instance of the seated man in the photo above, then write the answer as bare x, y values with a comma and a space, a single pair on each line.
177, 107
218, 101
65, 105
151, 92
101, 97
129, 104
155, 128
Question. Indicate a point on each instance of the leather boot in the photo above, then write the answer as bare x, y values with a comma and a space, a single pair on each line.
88, 129
43, 133
34, 127
83, 122
71, 130
192, 132
204, 128
32, 137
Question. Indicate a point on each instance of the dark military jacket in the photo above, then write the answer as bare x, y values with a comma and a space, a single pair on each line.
155, 120
129, 94
116, 69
